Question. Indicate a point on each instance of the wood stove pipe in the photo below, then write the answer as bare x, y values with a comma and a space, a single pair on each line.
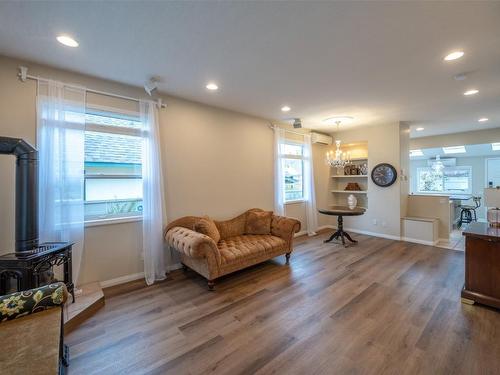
26, 191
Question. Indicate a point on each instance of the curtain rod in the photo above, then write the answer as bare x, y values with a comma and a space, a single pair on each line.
271, 126
23, 76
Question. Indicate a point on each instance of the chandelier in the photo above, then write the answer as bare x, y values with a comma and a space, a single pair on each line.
438, 165
338, 159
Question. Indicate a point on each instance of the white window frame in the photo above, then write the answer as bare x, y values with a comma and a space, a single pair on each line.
297, 157
469, 191
93, 127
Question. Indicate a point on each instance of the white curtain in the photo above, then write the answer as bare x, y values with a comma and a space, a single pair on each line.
153, 212
309, 191
279, 185
60, 138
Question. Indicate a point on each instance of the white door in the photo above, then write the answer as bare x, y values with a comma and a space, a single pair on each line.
493, 172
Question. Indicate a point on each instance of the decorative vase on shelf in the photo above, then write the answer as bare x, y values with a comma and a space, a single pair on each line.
352, 201
363, 169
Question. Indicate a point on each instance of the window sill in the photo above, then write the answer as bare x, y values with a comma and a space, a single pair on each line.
297, 201
115, 220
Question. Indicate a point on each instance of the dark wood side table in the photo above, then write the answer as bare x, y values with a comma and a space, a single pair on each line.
482, 265
340, 212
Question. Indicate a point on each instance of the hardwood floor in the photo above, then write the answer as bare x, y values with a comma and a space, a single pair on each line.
381, 307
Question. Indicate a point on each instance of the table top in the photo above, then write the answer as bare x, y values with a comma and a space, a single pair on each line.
482, 230
342, 211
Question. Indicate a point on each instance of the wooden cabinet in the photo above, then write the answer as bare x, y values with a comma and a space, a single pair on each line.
482, 265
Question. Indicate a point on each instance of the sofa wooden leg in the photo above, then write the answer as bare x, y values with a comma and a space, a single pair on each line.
211, 285
287, 255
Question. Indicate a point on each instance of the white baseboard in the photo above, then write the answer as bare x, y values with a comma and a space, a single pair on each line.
326, 227
133, 277
421, 242
122, 280
173, 267
374, 234
301, 233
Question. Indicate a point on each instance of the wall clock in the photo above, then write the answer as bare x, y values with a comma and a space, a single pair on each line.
384, 174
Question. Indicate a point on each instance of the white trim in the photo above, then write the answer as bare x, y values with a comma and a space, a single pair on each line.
301, 233
119, 111
326, 227
114, 220
133, 277
296, 201
173, 267
122, 280
374, 234
422, 242
365, 232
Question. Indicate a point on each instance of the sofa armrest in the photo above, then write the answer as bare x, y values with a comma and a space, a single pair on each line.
192, 244
17, 305
285, 228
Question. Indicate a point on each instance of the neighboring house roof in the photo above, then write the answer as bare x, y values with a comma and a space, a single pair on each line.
112, 148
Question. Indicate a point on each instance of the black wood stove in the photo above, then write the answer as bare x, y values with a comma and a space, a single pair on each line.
31, 264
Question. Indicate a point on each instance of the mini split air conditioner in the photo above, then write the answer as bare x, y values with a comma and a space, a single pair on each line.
321, 138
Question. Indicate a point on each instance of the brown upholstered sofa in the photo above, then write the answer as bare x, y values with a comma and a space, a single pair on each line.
232, 248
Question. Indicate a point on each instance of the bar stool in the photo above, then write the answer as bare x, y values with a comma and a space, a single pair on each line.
468, 213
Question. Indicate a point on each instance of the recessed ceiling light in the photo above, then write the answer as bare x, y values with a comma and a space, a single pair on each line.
419, 129
454, 150
495, 146
454, 55
471, 92
285, 108
67, 41
483, 119
212, 86
414, 153
338, 119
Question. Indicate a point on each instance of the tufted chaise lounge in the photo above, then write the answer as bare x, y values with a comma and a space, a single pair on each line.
235, 249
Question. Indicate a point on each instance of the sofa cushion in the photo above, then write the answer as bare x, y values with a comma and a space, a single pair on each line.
207, 227
258, 222
241, 248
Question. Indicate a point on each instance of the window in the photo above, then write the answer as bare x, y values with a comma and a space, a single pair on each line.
113, 166
292, 159
456, 180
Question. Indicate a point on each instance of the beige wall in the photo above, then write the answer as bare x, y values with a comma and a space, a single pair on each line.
216, 162
432, 207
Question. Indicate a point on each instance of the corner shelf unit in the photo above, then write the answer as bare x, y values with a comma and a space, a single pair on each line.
338, 183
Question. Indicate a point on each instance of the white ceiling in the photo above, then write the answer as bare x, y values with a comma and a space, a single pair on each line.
375, 61
471, 151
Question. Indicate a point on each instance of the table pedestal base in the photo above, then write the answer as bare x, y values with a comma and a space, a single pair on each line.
340, 233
